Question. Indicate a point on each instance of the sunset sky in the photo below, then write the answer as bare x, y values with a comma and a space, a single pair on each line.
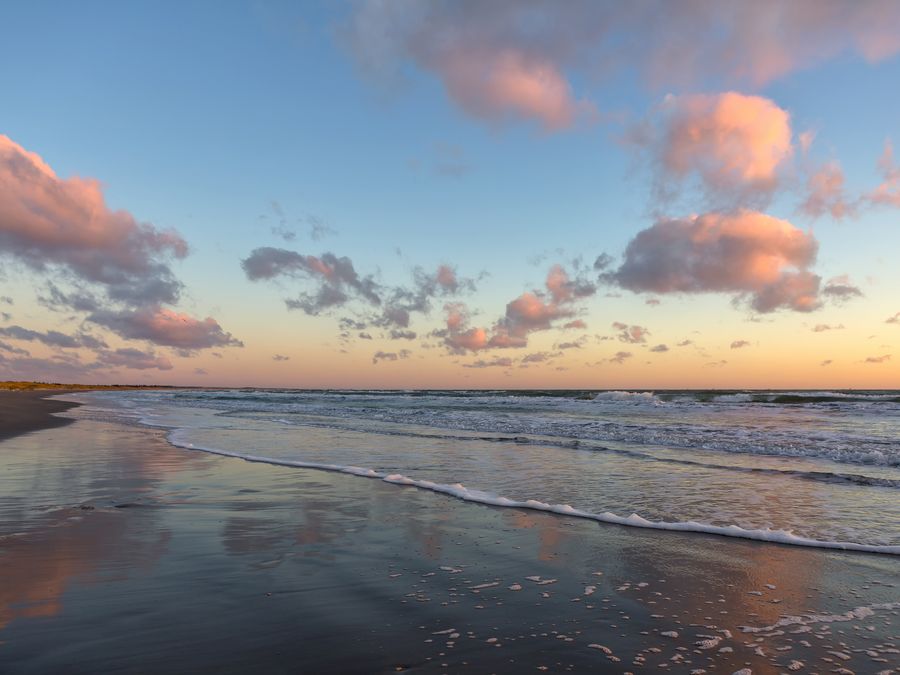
451, 194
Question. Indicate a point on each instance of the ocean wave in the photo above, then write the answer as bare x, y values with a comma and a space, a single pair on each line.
684, 396
463, 493
832, 477
834, 432
627, 397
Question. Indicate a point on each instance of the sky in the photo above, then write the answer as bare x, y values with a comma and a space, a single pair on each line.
406, 194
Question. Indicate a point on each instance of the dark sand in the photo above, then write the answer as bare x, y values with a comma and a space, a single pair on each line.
23, 411
120, 553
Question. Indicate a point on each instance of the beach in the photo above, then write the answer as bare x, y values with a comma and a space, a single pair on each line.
24, 411
122, 553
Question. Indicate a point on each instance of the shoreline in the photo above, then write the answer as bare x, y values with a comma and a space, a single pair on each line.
24, 411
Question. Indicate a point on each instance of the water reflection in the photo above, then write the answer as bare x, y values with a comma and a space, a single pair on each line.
79, 507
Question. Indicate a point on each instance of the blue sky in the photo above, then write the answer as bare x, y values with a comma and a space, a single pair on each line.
224, 120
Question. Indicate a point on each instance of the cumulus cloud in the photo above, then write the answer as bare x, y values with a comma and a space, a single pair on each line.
531, 311
747, 253
888, 191
826, 194
822, 327
740, 344
68, 366
281, 357
826, 362
51, 338
49, 222
631, 334
135, 359
336, 278
893, 319
577, 323
620, 357
165, 327
840, 289
390, 356
685, 343
336, 283
660, 348
537, 357
878, 359
63, 227
573, 344
402, 301
515, 60
498, 362
735, 145
603, 261
490, 80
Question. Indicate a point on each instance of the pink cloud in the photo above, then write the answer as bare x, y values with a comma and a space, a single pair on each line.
888, 191
47, 221
745, 252
166, 327
825, 193
446, 278
531, 311
631, 334
511, 84
735, 145
64, 227
507, 60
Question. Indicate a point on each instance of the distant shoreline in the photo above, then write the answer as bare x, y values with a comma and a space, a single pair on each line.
21, 385
56, 386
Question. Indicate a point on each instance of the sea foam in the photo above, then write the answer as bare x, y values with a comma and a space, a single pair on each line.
460, 491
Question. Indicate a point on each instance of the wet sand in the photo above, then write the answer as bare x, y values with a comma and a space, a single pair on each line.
30, 410
120, 553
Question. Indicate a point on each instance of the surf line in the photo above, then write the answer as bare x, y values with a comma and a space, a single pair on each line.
463, 493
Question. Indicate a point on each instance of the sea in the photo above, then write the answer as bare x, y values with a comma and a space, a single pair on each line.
806, 468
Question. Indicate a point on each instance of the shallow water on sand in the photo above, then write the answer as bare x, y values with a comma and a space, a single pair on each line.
121, 553
812, 468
